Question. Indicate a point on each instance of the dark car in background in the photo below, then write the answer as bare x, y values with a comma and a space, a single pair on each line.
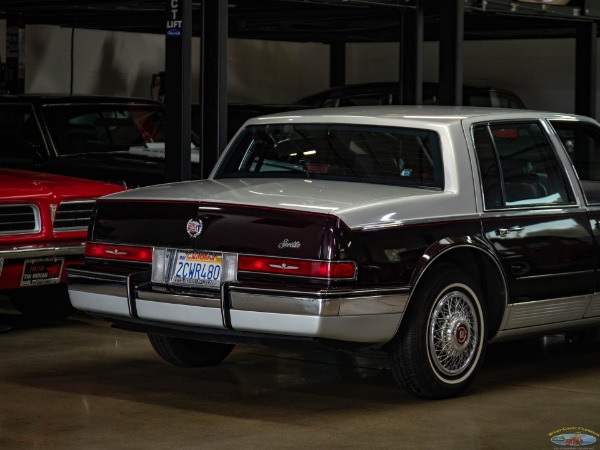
387, 93
120, 140
239, 113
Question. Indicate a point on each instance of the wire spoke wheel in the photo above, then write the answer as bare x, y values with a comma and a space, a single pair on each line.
442, 338
453, 333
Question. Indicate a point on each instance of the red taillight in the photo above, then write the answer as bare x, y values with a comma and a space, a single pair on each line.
297, 267
121, 252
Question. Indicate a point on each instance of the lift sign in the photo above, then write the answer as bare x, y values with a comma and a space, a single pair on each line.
174, 21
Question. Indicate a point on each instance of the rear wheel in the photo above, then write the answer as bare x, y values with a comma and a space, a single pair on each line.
49, 302
188, 352
441, 343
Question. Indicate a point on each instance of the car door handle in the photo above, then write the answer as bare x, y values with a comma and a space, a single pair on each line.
502, 232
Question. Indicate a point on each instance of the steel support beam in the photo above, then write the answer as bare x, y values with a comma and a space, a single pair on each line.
9, 77
178, 62
337, 63
452, 22
411, 56
213, 82
585, 68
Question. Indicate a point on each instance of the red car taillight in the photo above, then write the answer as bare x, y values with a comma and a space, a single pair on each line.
119, 252
297, 267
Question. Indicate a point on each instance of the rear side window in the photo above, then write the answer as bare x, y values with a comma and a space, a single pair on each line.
518, 166
582, 142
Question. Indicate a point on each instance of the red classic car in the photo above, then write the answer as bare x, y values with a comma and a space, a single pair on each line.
43, 225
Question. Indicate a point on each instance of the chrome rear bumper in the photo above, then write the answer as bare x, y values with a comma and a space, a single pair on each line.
362, 316
40, 251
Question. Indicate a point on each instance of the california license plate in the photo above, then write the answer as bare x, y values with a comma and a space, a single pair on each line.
41, 271
197, 269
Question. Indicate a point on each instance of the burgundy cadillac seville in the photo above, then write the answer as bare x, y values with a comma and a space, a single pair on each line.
425, 232
43, 224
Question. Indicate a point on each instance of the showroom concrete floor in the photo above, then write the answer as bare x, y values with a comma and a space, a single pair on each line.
83, 385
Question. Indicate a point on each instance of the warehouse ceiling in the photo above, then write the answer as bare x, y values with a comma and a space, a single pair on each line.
315, 20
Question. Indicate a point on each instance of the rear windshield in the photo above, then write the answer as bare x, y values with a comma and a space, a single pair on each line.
368, 154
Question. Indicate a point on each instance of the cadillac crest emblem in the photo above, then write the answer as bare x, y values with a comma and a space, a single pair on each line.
194, 228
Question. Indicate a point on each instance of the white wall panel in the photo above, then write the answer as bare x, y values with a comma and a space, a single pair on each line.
275, 72
367, 63
541, 71
105, 63
119, 63
47, 56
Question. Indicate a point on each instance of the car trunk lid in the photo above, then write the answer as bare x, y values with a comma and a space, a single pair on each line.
216, 227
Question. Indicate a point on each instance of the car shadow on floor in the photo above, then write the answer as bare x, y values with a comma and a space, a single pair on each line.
554, 361
13, 320
104, 362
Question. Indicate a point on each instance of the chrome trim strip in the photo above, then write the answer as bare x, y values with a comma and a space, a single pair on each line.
525, 211
555, 276
533, 210
70, 229
381, 225
321, 293
32, 251
544, 312
519, 333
